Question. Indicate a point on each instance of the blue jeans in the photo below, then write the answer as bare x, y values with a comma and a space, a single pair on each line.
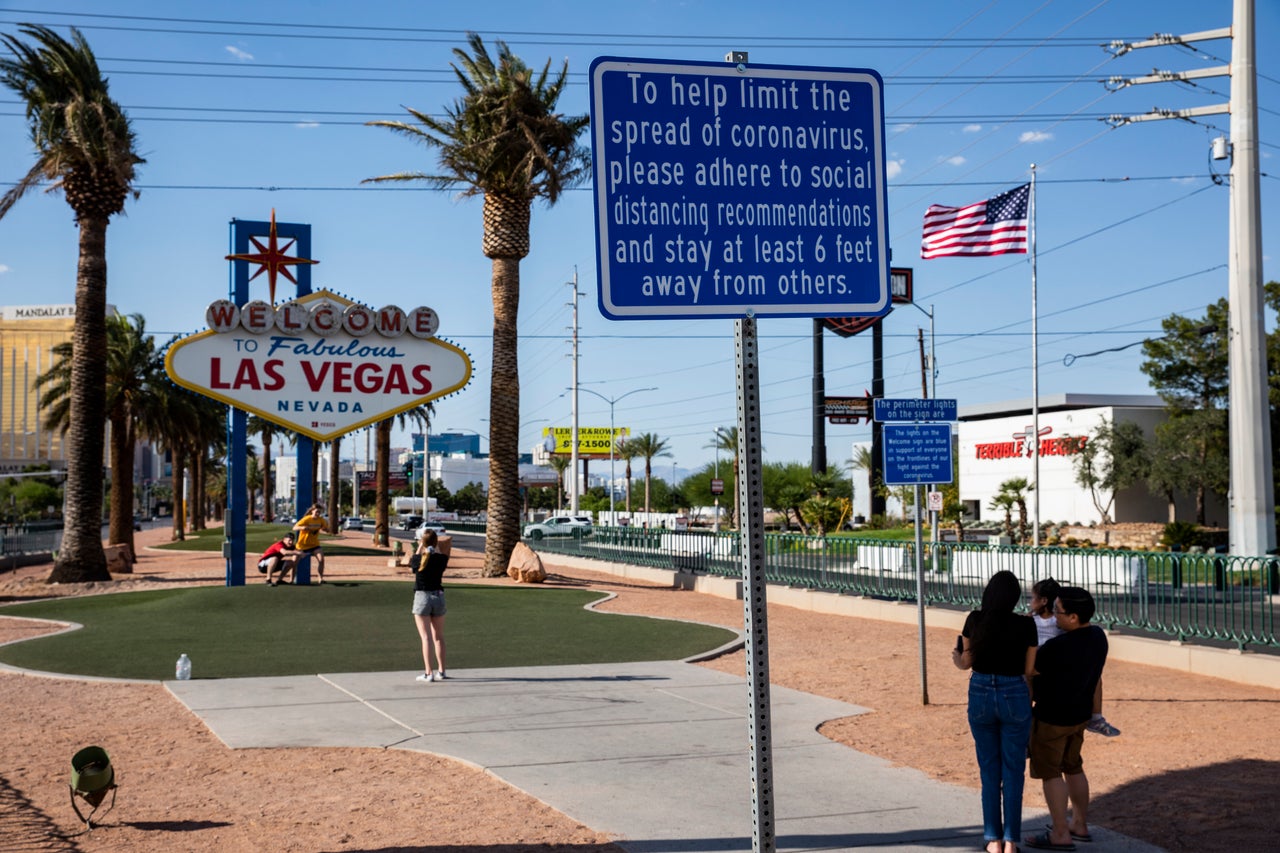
1000, 719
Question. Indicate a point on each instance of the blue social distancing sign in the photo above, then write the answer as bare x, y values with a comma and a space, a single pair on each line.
917, 454
727, 190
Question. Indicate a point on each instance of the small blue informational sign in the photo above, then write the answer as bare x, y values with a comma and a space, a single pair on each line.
726, 190
916, 455
913, 410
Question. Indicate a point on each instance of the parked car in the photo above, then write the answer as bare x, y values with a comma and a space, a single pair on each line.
577, 526
352, 523
410, 522
429, 525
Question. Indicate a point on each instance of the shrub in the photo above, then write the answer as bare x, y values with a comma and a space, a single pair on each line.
1182, 535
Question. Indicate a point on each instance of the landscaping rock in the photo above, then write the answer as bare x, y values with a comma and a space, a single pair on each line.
526, 565
119, 559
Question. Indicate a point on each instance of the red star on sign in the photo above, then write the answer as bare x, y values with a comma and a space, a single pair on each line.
272, 258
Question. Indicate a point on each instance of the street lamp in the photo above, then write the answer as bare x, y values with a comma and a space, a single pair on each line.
611, 401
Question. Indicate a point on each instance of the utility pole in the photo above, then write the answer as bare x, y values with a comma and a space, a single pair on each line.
818, 458
573, 433
1252, 501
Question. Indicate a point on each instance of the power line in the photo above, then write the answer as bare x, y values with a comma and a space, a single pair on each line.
349, 32
905, 184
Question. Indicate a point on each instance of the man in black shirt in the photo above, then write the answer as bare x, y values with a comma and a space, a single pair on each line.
1067, 671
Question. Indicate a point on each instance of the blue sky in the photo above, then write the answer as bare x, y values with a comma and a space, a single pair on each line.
231, 100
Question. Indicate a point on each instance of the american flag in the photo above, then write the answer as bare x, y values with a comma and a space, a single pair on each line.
997, 226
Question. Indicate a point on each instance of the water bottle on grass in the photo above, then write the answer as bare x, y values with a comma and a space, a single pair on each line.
183, 670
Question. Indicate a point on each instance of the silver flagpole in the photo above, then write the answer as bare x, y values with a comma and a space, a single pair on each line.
1035, 373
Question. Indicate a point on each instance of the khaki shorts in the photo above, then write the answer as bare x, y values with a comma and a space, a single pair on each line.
1055, 750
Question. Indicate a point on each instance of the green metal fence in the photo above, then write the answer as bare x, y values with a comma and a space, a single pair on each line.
1182, 596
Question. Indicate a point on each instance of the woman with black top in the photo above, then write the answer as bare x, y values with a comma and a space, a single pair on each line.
428, 603
1000, 647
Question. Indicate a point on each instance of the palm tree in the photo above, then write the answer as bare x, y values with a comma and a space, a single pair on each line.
1017, 489
649, 445
265, 430
86, 147
133, 369
1003, 501
205, 444
560, 464
726, 439
626, 451
862, 461
504, 140
335, 469
419, 416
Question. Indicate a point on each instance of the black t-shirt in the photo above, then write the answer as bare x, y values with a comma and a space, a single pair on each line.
429, 577
1068, 667
1003, 650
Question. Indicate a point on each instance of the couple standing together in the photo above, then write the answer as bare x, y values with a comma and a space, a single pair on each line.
1061, 668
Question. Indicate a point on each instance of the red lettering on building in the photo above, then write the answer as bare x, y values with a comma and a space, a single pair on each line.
1067, 445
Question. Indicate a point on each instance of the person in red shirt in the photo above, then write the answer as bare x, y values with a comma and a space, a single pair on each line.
279, 558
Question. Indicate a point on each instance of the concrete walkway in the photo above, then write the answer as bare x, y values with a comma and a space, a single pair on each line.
655, 753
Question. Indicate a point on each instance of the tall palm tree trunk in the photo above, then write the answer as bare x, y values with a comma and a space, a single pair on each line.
120, 531
335, 471
382, 452
503, 527
628, 487
199, 500
81, 557
268, 496
179, 499
648, 477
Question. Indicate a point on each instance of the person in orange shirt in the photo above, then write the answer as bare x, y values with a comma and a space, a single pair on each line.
308, 529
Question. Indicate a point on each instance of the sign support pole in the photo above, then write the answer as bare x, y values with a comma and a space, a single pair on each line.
233, 548
755, 614
924, 667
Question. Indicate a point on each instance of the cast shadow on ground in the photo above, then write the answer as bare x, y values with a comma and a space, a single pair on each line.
26, 827
1223, 806
486, 848
176, 825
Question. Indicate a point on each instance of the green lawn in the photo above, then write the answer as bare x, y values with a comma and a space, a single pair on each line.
338, 627
258, 536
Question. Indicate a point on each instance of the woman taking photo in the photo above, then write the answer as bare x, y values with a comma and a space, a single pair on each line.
1000, 647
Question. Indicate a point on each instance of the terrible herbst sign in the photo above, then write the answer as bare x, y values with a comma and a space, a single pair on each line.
322, 365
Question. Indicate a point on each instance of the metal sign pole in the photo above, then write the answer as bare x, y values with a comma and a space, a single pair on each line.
755, 615
924, 669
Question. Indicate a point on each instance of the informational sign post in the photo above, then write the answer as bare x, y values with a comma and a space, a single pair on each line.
914, 410
738, 190
917, 454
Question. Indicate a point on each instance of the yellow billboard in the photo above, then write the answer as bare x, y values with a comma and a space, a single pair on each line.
593, 442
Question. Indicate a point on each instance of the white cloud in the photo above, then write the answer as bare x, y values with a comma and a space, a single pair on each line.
1035, 136
4, 268
893, 168
902, 128
307, 124
971, 128
956, 160
242, 55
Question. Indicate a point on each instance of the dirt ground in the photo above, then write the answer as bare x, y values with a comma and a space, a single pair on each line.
1195, 768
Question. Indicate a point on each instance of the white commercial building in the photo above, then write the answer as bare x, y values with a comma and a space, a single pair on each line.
993, 447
